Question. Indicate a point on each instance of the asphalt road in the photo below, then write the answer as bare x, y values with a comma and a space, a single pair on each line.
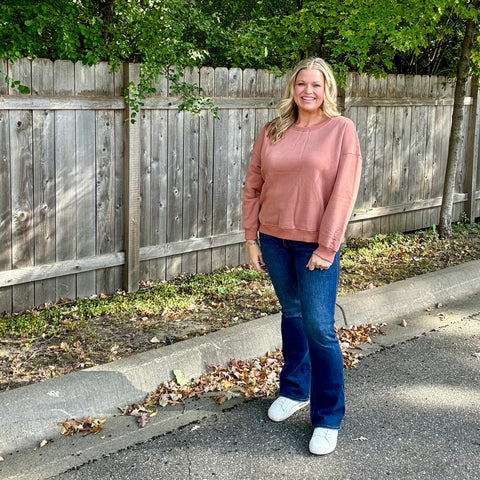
413, 412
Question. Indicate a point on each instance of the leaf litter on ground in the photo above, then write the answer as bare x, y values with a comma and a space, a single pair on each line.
254, 378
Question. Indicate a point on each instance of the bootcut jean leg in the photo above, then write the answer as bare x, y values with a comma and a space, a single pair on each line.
313, 359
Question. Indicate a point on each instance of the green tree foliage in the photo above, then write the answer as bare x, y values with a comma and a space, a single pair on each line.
373, 36
51, 29
157, 33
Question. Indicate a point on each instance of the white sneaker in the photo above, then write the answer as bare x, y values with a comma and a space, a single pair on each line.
324, 441
284, 407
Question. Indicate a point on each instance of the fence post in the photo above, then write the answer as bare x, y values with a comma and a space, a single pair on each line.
472, 153
131, 190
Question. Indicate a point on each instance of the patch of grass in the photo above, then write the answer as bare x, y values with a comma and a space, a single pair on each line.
386, 258
185, 293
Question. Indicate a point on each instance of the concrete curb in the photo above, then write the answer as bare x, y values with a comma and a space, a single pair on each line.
415, 294
30, 414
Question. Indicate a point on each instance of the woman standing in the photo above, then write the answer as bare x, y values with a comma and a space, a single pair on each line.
300, 191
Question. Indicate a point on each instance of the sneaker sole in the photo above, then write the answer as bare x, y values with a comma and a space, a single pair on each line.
312, 451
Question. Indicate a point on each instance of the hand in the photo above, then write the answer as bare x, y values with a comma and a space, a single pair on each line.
256, 257
317, 262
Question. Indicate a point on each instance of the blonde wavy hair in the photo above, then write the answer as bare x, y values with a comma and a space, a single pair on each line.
288, 110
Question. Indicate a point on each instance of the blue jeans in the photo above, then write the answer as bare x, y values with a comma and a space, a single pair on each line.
313, 358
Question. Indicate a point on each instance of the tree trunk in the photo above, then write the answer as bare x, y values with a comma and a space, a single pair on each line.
106, 10
456, 132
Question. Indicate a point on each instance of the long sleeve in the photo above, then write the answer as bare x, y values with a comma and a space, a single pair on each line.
342, 199
253, 190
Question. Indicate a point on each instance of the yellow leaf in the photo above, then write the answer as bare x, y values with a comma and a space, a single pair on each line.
180, 377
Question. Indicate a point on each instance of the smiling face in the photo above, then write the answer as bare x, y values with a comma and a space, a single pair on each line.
309, 91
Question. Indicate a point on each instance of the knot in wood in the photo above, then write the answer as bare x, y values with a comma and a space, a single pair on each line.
21, 216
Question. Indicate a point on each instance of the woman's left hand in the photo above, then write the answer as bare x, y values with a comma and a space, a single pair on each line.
317, 262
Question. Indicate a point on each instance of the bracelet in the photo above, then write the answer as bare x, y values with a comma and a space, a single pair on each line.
250, 243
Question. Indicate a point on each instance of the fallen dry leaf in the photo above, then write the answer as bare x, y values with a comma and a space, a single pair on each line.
142, 420
220, 399
140, 412
180, 378
224, 396
84, 425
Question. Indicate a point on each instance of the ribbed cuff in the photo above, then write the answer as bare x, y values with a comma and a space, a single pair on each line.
251, 235
325, 253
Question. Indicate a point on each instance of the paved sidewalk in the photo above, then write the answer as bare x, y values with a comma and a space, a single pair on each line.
30, 414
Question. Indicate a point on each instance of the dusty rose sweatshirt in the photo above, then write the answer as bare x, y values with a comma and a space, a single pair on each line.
304, 187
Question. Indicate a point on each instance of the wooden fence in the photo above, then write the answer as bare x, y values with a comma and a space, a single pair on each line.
90, 203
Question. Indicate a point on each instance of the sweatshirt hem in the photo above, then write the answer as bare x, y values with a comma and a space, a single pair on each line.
300, 236
288, 234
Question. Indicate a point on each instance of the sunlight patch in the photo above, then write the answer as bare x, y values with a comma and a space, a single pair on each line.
440, 396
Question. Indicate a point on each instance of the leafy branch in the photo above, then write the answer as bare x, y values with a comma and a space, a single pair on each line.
16, 84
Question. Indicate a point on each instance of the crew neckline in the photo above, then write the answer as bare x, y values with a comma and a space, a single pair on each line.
313, 127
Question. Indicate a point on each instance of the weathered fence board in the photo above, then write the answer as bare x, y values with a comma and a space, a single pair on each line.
44, 199
155, 193
22, 201
44, 179
65, 178
175, 173
158, 193
190, 180
472, 152
90, 202
5, 195
85, 172
233, 162
378, 88
205, 173
220, 169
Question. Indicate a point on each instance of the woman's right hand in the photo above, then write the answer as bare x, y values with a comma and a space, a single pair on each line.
255, 255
